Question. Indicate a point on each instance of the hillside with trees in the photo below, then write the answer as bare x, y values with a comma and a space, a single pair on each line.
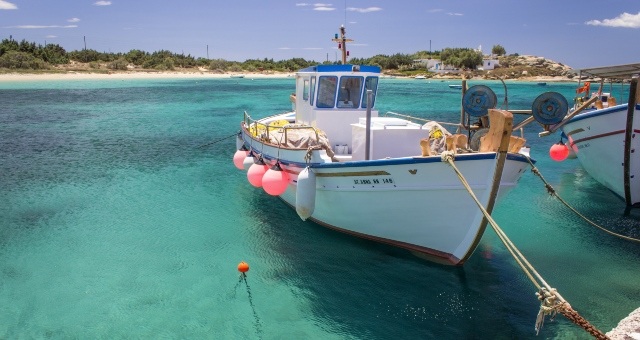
30, 57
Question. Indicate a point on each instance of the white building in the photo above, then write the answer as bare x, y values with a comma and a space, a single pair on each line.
488, 63
435, 66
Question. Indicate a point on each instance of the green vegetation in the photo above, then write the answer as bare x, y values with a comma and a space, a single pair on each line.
498, 50
465, 58
26, 55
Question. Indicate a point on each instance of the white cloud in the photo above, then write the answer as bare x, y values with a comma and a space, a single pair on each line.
302, 4
50, 36
7, 5
364, 10
456, 14
42, 26
73, 20
623, 20
102, 3
284, 48
322, 8
323, 5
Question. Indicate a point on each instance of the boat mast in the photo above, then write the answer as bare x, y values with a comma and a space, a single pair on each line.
342, 43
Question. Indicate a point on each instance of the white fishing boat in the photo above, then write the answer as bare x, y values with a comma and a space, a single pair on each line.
604, 135
342, 165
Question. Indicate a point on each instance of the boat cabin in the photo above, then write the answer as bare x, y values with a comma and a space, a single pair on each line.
333, 97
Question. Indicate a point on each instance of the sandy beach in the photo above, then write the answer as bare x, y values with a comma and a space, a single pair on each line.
73, 75
16, 77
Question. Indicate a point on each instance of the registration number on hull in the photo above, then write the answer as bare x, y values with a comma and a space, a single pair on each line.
367, 181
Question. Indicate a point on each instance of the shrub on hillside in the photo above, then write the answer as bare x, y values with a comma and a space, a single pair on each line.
118, 64
21, 60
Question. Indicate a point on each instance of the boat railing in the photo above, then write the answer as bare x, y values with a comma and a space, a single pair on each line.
255, 128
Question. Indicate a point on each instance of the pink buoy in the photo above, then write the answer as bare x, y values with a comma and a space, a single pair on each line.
559, 152
256, 172
275, 181
238, 158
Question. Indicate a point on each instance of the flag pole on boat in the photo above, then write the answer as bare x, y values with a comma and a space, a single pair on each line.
342, 43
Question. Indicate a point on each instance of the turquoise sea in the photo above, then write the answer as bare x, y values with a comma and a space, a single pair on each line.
122, 216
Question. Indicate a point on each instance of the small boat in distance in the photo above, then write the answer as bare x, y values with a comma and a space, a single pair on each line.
236, 76
603, 134
542, 83
420, 77
455, 86
344, 166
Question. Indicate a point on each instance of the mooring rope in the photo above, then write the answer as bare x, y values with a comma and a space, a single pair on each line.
551, 301
553, 192
257, 323
217, 140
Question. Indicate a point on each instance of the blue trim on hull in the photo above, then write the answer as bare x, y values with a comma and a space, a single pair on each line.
394, 161
595, 113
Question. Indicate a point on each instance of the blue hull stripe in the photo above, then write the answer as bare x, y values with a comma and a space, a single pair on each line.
396, 161
606, 111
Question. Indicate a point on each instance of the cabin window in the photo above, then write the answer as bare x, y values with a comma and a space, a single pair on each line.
370, 84
312, 90
327, 91
305, 91
349, 92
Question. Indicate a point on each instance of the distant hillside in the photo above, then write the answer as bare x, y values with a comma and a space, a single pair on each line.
533, 66
525, 66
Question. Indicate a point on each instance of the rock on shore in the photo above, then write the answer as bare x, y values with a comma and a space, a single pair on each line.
519, 66
628, 328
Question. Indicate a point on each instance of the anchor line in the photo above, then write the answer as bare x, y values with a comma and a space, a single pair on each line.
217, 141
253, 308
554, 193
551, 301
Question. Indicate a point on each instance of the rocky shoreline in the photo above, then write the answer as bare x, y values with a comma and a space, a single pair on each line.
628, 328
520, 67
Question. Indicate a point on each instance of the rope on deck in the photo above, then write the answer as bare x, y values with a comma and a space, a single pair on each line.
551, 301
553, 192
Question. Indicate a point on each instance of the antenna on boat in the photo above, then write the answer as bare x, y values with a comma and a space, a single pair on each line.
342, 43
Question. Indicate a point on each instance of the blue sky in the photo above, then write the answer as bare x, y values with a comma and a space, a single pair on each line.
577, 33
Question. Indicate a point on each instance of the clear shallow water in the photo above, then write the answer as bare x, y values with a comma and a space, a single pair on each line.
116, 223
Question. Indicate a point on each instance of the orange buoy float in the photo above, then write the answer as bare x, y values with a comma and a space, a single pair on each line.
559, 152
243, 267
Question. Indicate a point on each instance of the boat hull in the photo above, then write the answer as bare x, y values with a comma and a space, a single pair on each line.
598, 139
417, 203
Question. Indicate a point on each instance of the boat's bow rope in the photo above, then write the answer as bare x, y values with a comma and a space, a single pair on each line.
551, 302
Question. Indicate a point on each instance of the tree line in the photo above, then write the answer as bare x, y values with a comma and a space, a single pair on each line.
32, 56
